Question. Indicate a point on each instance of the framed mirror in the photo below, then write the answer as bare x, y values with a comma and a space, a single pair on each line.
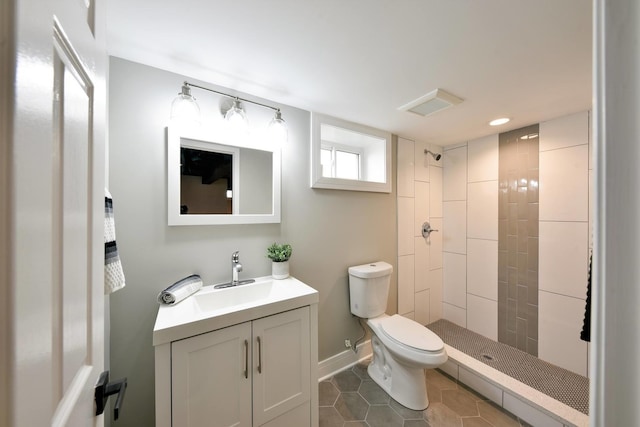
210, 181
349, 156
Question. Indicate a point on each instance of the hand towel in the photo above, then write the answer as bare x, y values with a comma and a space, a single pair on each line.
113, 273
180, 290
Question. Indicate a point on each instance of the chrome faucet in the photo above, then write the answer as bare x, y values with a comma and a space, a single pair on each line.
236, 268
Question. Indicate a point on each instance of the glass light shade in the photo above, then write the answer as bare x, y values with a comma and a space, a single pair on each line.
278, 129
237, 118
184, 108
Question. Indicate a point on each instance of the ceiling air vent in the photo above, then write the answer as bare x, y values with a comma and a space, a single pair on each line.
434, 101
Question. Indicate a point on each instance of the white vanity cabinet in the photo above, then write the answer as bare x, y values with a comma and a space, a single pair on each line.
261, 367
254, 369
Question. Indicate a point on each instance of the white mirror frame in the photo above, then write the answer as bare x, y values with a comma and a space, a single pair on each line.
319, 181
210, 136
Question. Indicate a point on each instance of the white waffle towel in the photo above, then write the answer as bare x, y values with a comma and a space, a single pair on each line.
180, 290
113, 273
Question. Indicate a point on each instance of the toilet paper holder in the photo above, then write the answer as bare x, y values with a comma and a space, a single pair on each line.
427, 230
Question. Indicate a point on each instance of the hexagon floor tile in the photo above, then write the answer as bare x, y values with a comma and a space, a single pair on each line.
352, 399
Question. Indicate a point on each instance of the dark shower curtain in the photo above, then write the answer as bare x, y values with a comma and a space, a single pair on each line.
585, 334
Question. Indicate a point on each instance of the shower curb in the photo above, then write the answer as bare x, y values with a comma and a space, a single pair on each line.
526, 402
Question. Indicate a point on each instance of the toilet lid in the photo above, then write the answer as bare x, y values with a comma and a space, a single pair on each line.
411, 333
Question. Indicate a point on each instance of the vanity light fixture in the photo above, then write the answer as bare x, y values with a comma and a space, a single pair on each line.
185, 108
498, 122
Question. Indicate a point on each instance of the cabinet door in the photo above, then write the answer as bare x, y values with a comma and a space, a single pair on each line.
211, 379
281, 368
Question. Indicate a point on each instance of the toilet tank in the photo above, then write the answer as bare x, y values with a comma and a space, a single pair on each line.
369, 288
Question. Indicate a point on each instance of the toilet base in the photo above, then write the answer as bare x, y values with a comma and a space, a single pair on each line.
406, 385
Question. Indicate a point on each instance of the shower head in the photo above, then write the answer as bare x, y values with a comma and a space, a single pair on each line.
436, 156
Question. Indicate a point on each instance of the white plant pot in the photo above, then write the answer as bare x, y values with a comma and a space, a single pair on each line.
280, 270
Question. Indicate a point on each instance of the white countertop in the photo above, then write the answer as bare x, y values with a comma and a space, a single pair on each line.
210, 309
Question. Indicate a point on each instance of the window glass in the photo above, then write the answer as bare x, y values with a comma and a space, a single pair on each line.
347, 165
325, 161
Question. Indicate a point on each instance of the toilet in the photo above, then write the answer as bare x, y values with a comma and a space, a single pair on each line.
402, 348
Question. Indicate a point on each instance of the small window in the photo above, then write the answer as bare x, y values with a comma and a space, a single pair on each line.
349, 156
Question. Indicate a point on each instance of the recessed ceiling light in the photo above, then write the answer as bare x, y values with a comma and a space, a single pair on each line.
434, 101
498, 122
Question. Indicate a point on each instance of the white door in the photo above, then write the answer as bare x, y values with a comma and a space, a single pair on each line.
52, 211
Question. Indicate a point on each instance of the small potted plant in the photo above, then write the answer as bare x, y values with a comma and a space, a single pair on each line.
279, 254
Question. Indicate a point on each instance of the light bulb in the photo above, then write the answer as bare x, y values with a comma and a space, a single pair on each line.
184, 108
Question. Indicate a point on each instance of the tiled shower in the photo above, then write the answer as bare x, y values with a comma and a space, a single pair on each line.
462, 281
419, 190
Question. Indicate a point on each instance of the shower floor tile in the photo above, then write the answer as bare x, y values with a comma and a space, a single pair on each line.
560, 384
352, 398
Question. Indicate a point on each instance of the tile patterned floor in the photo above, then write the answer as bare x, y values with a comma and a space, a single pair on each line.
352, 399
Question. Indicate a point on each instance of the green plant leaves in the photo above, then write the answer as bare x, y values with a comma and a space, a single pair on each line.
279, 252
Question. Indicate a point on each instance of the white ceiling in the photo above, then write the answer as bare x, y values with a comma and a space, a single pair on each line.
360, 60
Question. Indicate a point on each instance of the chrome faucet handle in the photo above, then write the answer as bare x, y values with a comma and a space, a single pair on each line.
235, 257
427, 230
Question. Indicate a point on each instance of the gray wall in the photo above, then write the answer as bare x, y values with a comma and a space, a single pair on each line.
329, 230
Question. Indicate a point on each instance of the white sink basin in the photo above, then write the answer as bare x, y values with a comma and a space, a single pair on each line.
210, 308
212, 300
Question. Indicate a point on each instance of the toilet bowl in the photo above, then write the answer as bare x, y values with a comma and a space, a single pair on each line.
408, 341
402, 348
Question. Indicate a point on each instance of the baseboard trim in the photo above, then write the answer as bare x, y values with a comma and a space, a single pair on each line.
341, 361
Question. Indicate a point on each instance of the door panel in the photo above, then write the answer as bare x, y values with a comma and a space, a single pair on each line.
211, 379
283, 382
74, 219
73, 247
